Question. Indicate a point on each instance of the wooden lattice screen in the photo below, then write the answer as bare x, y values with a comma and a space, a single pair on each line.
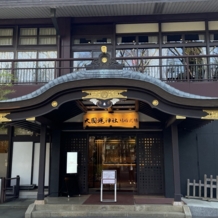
150, 170
77, 143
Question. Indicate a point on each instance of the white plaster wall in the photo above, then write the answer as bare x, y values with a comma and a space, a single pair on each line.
36, 164
22, 161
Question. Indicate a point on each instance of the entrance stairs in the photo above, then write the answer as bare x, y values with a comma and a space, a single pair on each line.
106, 211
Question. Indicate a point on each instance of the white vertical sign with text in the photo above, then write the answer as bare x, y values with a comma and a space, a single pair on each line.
72, 158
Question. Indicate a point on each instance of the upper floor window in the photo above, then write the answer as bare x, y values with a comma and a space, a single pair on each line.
92, 40
3, 130
126, 40
35, 71
172, 38
35, 36
47, 36
147, 39
214, 37
139, 39
6, 37
194, 38
20, 131
180, 38
5, 67
79, 64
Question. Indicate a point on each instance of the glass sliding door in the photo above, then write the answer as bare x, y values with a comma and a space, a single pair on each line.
113, 153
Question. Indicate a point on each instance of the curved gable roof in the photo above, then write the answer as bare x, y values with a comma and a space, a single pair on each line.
107, 74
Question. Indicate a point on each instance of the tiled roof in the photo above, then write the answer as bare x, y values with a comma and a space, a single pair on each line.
108, 74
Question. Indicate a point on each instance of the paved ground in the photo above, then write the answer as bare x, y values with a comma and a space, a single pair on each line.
15, 208
12, 212
199, 208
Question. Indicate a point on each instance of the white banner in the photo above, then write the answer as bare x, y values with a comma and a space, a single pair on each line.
72, 162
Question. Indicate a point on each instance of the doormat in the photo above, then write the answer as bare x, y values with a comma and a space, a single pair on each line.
122, 199
153, 200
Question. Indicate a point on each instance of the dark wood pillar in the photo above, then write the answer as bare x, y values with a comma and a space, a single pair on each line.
55, 163
10, 152
64, 24
176, 168
42, 152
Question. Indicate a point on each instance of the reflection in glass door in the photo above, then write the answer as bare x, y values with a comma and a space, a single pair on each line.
113, 153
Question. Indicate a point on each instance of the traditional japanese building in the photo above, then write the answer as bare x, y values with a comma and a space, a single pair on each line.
129, 85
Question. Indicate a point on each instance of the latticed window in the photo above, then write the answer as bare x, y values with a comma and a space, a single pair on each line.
3, 130
5, 67
6, 37
47, 36
37, 36
33, 71
20, 131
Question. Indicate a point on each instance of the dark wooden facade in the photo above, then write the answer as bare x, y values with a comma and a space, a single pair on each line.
77, 43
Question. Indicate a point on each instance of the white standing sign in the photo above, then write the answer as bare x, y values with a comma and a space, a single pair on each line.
109, 176
72, 158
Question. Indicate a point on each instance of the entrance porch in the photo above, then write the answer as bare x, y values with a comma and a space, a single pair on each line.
78, 207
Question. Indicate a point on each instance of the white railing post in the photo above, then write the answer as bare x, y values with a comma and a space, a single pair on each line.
188, 187
194, 188
205, 186
211, 186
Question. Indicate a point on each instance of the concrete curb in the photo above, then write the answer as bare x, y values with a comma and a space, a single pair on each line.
30, 209
187, 211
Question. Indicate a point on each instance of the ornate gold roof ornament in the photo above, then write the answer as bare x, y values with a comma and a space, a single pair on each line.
211, 115
178, 117
31, 119
155, 102
3, 117
104, 49
54, 104
104, 94
104, 61
104, 98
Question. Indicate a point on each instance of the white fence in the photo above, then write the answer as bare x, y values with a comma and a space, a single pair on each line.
208, 190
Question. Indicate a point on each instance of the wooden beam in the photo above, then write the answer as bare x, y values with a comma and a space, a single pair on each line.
81, 106
110, 110
174, 120
136, 106
43, 120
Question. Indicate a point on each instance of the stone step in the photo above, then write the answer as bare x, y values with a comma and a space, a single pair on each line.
137, 208
60, 210
45, 214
